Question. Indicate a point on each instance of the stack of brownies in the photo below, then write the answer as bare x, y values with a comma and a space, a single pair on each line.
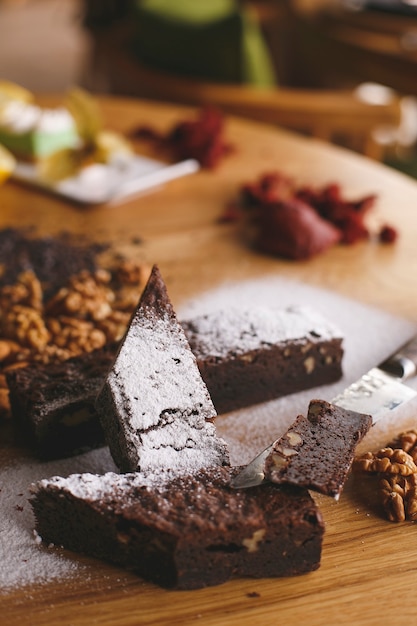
172, 514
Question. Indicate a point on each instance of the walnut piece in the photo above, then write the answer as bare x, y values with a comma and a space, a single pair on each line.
251, 543
395, 466
90, 310
388, 461
407, 441
399, 497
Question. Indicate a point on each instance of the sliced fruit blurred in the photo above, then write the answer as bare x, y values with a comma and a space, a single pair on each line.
86, 114
109, 144
62, 164
7, 164
98, 145
13, 91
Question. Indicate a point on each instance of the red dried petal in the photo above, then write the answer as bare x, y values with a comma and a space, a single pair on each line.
388, 234
270, 188
352, 227
268, 200
201, 138
330, 204
293, 230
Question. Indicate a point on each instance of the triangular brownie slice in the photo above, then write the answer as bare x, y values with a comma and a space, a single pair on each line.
317, 451
154, 404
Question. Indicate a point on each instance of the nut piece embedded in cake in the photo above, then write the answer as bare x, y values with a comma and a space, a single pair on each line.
154, 404
317, 451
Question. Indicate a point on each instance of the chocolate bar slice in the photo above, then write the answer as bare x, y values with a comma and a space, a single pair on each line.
317, 451
185, 532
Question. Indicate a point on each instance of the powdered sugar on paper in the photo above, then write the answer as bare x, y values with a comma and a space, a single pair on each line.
23, 560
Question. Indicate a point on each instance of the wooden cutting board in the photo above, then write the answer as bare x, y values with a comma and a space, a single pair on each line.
368, 573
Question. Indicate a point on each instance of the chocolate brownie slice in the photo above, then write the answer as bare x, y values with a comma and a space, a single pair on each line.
53, 405
317, 451
185, 532
254, 355
154, 404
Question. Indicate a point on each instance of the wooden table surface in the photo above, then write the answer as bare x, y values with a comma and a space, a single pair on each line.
369, 572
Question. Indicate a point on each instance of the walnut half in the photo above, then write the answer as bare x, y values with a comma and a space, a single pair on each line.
387, 461
396, 469
399, 497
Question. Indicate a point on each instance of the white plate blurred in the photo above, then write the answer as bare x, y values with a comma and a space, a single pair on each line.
109, 183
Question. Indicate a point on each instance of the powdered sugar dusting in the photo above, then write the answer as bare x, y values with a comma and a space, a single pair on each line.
96, 486
370, 335
181, 446
159, 400
23, 559
238, 331
155, 371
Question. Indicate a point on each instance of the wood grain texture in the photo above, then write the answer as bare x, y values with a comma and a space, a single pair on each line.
368, 573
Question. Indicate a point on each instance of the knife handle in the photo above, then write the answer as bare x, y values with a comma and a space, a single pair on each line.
403, 363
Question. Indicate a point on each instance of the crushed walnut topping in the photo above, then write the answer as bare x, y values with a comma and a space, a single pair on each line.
396, 469
90, 310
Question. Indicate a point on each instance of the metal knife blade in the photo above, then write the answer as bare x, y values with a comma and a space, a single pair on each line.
377, 392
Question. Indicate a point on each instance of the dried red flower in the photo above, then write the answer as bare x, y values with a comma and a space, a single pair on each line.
346, 215
293, 230
270, 188
388, 234
300, 222
200, 138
